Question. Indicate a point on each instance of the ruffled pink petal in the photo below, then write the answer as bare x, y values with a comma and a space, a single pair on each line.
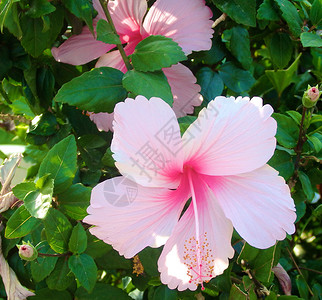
185, 21
184, 262
114, 59
127, 16
147, 143
231, 137
131, 217
258, 204
80, 49
184, 89
103, 121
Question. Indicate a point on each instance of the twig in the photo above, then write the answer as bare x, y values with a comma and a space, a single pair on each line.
298, 270
219, 20
308, 269
119, 47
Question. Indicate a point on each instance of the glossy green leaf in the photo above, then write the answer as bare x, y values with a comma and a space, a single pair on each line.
97, 90
283, 163
58, 230
105, 33
164, 293
240, 46
241, 11
280, 48
61, 278
49, 294
266, 11
102, 291
287, 131
60, 163
156, 52
291, 16
316, 12
22, 189
39, 8
237, 294
81, 9
210, 82
236, 79
84, 269
39, 201
281, 79
20, 223
78, 240
34, 39
41, 268
302, 287
310, 39
148, 84
306, 185
75, 200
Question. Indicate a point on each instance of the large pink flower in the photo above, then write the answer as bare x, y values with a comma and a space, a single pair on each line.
185, 21
220, 162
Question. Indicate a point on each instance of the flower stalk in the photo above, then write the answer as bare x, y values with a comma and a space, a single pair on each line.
119, 47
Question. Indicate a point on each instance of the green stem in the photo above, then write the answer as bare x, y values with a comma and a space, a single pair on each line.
119, 47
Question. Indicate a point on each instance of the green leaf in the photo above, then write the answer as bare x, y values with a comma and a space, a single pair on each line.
61, 278
149, 258
60, 163
291, 16
108, 159
44, 124
280, 48
316, 12
38, 202
281, 79
45, 86
105, 33
210, 82
34, 39
237, 294
58, 230
49, 294
39, 8
78, 240
260, 261
75, 200
148, 84
81, 9
22, 189
236, 79
96, 247
282, 162
316, 141
102, 291
241, 11
84, 269
302, 287
20, 223
267, 12
306, 185
41, 268
287, 131
97, 90
240, 46
164, 293
156, 52
310, 39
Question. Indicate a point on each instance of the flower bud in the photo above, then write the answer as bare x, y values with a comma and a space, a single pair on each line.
311, 96
283, 278
27, 251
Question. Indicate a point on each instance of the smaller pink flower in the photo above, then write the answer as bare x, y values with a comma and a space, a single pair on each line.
187, 22
219, 162
27, 251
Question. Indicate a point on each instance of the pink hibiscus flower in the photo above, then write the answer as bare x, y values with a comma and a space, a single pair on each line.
185, 21
219, 162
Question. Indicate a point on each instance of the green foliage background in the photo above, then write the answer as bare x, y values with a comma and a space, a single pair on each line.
267, 48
